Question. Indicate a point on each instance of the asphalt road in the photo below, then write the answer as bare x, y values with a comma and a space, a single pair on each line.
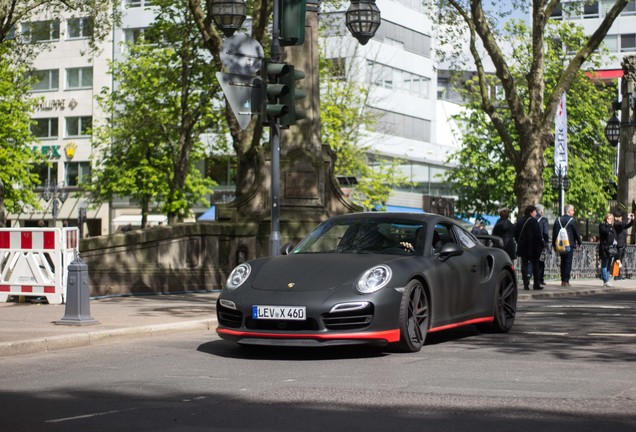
568, 364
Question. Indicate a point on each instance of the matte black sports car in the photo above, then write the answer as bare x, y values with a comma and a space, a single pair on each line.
379, 278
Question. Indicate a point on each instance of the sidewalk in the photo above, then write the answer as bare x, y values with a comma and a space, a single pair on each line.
27, 328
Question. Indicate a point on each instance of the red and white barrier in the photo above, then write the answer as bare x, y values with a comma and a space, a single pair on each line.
34, 261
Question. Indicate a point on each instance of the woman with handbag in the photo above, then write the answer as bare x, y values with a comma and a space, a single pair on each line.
607, 247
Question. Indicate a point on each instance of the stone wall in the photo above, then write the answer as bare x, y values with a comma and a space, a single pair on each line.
181, 258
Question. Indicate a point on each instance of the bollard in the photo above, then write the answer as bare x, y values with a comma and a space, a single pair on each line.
77, 310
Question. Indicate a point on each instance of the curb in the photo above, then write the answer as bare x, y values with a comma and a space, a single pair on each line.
532, 295
76, 340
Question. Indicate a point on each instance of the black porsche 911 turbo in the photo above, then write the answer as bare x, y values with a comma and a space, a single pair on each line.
370, 278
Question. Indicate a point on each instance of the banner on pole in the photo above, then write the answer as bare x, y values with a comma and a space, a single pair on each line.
561, 139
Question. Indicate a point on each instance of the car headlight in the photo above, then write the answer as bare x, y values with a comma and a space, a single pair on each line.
374, 279
239, 275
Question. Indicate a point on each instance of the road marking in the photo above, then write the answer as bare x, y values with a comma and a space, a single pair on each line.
613, 334
87, 416
547, 333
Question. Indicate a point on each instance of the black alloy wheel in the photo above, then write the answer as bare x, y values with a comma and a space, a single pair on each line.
505, 305
414, 318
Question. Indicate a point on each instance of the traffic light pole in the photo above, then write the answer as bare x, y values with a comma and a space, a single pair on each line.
274, 139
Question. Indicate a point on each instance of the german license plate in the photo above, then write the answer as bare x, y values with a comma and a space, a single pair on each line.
279, 312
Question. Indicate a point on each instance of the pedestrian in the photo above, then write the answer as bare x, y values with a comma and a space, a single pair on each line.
506, 230
607, 247
476, 230
621, 227
529, 246
482, 229
545, 234
568, 222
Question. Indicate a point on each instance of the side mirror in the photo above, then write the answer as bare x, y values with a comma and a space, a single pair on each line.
287, 248
450, 250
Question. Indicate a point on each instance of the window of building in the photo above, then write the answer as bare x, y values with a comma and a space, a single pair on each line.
630, 8
80, 28
221, 169
405, 126
45, 128
132, 35
590, 9
611, 42
628, 42
41, 31
47, 80
138, 3
45, 171
77, 173
410, 40
78, 126
385, 76
79, 77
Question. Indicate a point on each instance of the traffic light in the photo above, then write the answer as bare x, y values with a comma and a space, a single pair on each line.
276, 91
291, 26
289, 99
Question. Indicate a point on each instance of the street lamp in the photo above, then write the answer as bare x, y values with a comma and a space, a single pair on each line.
560, 181
56, 192
228, 15
363, 19
613, 128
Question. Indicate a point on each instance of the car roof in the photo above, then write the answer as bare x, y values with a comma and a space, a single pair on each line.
421, 217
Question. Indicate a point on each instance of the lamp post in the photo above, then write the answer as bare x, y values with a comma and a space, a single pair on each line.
362, 20
560, 181
56, 192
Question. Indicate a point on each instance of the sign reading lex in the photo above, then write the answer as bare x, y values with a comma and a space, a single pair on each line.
50, 151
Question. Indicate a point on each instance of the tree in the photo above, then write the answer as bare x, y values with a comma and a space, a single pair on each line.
246, 143
161, 104
531, 113
482, 159
16, 138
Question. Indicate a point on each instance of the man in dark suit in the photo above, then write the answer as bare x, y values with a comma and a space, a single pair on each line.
545, 234
572, 227
529, 246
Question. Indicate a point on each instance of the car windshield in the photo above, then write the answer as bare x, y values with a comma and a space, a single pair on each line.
360, 235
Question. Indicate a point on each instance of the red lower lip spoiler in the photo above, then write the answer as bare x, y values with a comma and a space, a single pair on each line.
387, 335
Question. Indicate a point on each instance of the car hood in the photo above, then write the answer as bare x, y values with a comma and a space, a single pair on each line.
314, 272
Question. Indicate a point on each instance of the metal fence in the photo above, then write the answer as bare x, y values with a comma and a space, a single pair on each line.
586, 263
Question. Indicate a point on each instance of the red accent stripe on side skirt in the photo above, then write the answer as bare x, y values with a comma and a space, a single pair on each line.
388, 335
463, 323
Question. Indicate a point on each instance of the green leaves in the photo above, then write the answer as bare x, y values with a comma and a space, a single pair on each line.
16, 156
149, 149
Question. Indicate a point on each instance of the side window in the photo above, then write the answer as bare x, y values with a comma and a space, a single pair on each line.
441, 236
464, 239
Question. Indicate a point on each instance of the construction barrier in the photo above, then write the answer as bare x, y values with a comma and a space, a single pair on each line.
34, 262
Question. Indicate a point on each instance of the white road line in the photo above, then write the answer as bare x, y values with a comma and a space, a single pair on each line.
87, 416
547, 333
